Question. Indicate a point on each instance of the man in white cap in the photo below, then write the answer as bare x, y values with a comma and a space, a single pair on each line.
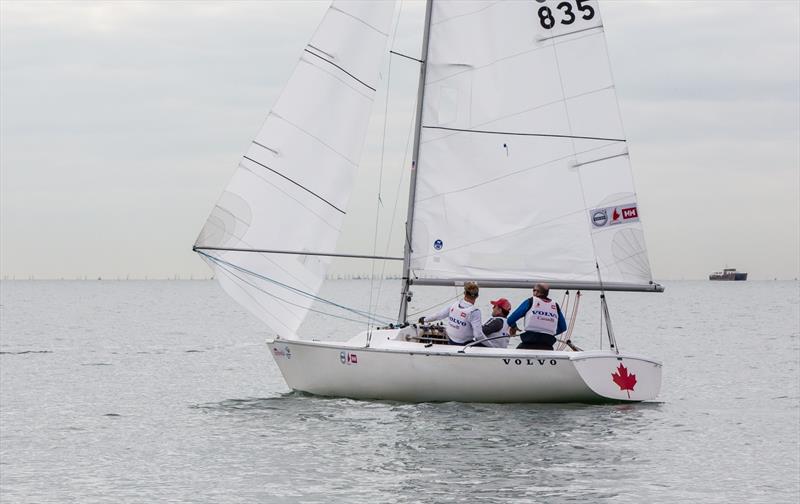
463, 324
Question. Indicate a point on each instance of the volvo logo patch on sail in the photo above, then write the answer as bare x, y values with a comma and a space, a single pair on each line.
621, 214
438, 244
600, 218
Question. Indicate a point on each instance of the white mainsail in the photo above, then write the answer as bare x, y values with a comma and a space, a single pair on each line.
523, 170
292, 186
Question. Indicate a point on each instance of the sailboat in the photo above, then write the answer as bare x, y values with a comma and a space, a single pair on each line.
520, 174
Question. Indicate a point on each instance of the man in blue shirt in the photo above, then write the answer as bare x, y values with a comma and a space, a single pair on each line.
542, 317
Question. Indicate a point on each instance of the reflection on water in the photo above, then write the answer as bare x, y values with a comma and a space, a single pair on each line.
448, 451
166, 392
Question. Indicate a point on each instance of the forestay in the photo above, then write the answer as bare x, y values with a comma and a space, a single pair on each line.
291, 188
523, 168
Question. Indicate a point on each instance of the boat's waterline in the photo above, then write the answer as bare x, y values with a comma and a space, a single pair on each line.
393, 369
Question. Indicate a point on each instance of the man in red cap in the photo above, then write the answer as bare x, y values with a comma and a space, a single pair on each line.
496, 330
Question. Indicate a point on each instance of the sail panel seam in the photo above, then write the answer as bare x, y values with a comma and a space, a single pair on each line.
303, 130
517, 230
519, 133
337, 9
473, 68
501, 177
466, 14
543, 39
340, 68
323, 219
530, 109
301, 186
349, 83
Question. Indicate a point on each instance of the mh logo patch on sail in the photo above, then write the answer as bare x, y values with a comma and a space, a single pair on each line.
610, 216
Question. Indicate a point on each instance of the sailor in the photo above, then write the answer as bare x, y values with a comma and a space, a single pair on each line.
496, 330
463, 324
543, 320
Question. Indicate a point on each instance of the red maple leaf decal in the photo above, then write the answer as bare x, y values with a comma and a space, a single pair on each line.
615, 216
623, 379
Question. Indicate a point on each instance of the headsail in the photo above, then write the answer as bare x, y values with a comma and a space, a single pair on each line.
292, 186
523, 169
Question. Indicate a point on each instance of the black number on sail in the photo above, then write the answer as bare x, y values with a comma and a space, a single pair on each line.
548, 21
567, 8
546, 18
588, 12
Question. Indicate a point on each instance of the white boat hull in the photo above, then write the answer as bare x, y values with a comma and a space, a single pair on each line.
394, 369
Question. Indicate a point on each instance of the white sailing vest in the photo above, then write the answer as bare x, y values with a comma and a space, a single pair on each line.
499, 342
459, 328
542, 317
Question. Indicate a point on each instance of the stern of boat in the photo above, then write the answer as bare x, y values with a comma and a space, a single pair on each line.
619, 377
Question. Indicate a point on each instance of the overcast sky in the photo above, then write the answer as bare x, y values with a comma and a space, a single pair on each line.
121, 123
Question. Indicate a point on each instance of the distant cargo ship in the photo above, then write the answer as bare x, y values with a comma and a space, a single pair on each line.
728, 274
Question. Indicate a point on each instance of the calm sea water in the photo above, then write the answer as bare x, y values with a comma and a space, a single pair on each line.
165, 392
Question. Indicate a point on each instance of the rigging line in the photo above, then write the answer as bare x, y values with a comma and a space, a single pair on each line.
379, 203
393, 219
448, 300
295, 290
306, 207
299, 252
340, 68
500, 177
227, 271
271, 262
517, 133
407, 57
327, 314
250, 295
301, 186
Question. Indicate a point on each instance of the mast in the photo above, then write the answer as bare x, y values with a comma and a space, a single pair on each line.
406, 294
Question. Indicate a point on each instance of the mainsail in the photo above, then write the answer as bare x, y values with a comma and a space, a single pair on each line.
523, 169
291, 188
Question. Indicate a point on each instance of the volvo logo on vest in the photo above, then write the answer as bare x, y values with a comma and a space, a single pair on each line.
544, 313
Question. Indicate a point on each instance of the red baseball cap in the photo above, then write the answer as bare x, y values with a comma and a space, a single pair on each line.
502, 303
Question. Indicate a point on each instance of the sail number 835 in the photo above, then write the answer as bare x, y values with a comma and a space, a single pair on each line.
565, 11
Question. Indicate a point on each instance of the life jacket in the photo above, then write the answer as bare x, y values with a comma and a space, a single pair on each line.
542, 317
458, 326
499, 342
